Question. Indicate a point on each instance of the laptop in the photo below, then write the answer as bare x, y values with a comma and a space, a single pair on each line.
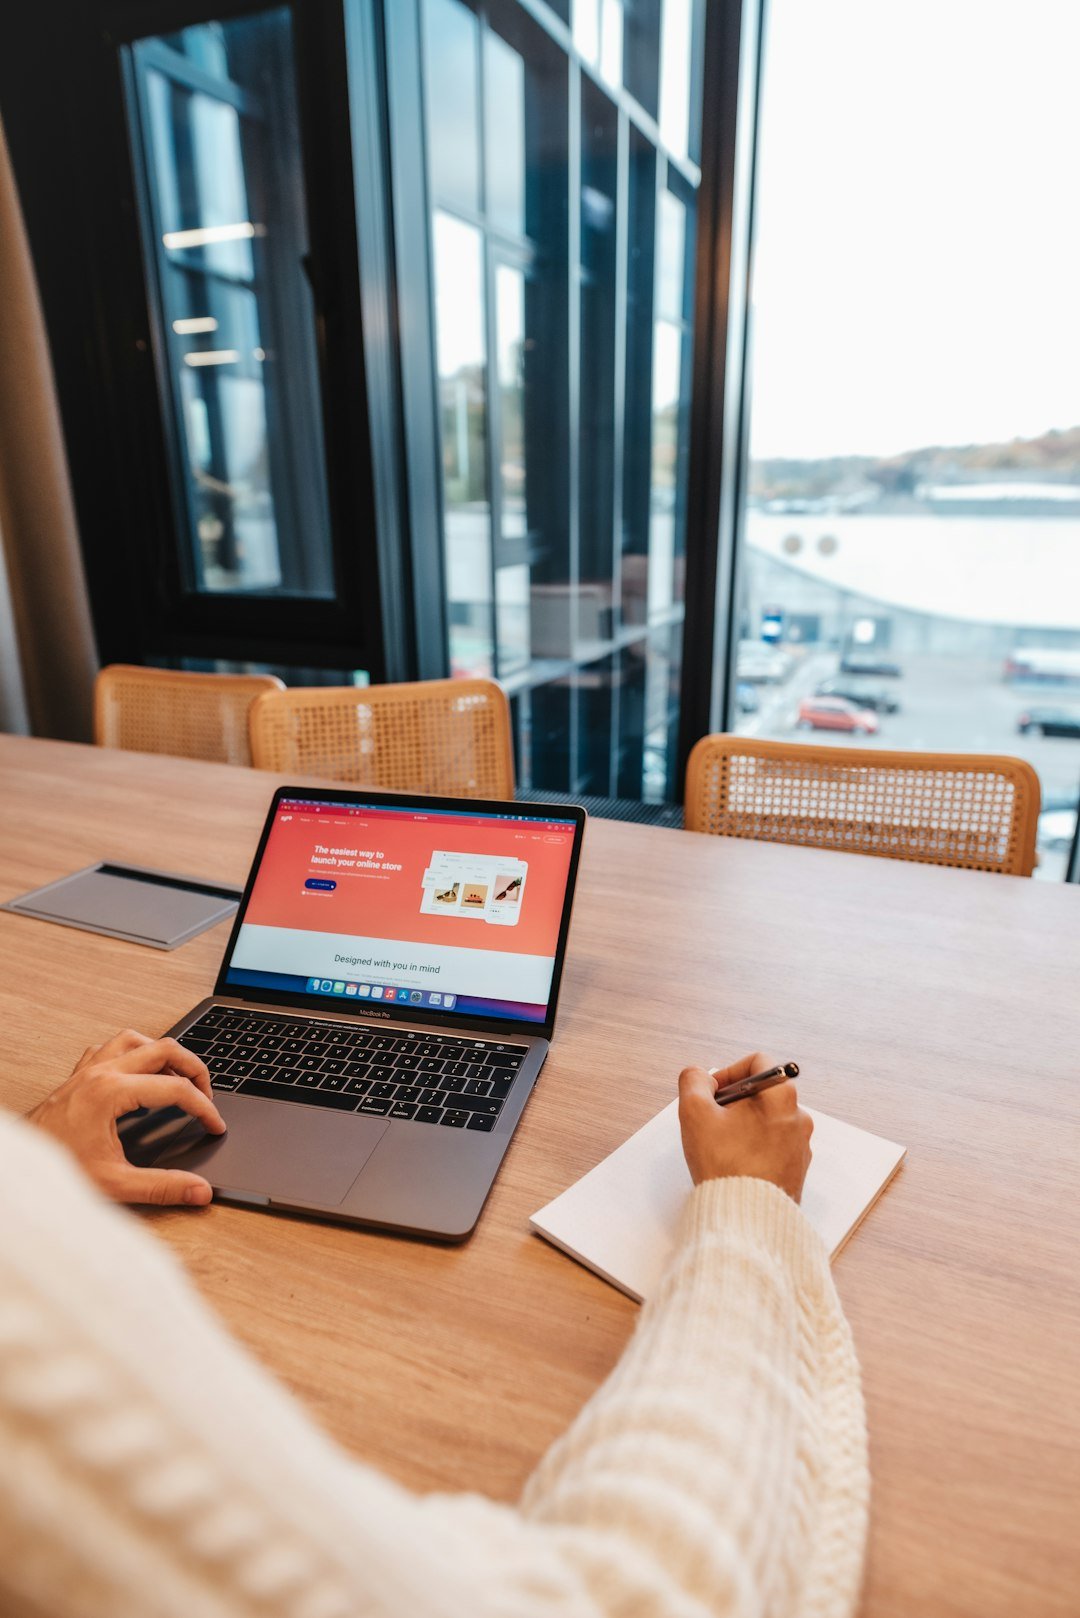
383, 1009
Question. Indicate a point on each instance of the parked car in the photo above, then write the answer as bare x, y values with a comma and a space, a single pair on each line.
1049, 722
836, 713
852, 663
746, 698
875, 697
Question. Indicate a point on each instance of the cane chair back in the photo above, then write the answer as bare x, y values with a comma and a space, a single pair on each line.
449, 738
188, 715
972, 810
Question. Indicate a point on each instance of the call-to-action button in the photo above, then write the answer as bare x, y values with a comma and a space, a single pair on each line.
321, 884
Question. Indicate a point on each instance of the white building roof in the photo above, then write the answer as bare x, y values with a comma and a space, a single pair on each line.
1022, 571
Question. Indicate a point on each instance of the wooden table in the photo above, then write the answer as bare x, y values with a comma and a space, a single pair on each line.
940, 1008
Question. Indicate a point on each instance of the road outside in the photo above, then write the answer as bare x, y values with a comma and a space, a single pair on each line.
947, 705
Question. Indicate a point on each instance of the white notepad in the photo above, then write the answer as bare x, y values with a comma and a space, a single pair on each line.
621, 1218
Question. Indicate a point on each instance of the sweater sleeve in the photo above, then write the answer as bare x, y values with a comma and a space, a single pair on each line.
150, 1469
727, 1451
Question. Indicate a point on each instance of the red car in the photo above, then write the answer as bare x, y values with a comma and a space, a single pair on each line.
836, 713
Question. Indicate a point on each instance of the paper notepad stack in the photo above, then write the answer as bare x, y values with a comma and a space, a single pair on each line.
621, 1218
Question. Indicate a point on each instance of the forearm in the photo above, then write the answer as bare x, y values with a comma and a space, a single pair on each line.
725, 1458
148, 1467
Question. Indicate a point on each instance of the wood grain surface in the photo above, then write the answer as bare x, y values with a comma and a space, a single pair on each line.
938, 1007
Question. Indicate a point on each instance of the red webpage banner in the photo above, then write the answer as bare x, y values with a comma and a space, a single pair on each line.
495, 885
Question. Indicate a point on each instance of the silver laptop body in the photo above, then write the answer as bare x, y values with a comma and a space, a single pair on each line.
313, 1154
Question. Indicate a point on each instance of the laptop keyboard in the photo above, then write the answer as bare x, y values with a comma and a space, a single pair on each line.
453, 1081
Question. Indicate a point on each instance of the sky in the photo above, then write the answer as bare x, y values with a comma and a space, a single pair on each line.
917, 259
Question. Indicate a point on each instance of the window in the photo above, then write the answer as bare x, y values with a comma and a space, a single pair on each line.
390, 310
215, 119
912, 531
561, 247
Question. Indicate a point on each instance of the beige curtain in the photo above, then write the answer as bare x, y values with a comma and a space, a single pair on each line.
47, 655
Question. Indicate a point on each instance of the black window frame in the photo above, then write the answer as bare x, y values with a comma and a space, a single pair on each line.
730, 73
296, 438
78, 173
361, 106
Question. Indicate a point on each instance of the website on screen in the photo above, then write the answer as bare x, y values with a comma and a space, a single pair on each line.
433, 909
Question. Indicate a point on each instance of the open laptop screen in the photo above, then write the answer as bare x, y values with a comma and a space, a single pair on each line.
371, 904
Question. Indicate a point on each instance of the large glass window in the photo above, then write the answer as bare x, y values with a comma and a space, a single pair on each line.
215, 117
911, 572
562, 235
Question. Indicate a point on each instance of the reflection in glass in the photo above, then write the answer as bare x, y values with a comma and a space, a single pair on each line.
667, 367
504, 88
642, 258
595, 684
671, 257
587, 29
462, 354
563, 367
512, 604
597, 408
452, 102
630, 778
663, 659
611, 42
217, 122
509, 363
207, 45
210, 223
675, 48
641, 53
598, 35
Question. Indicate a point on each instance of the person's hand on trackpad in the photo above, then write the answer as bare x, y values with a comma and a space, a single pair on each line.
110, 1080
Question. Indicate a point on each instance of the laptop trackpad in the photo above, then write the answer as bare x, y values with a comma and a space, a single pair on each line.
289, 1153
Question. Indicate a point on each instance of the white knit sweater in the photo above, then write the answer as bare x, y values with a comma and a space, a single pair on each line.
150, 1469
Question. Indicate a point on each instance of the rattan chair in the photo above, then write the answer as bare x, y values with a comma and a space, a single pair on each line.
444, 737
188, 715
972, 810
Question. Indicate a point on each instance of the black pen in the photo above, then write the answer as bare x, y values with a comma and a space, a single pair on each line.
744, 1088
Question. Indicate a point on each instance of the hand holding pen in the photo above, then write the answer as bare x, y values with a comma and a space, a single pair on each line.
768, 1140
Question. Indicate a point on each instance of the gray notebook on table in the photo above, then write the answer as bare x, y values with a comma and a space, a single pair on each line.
157, 908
